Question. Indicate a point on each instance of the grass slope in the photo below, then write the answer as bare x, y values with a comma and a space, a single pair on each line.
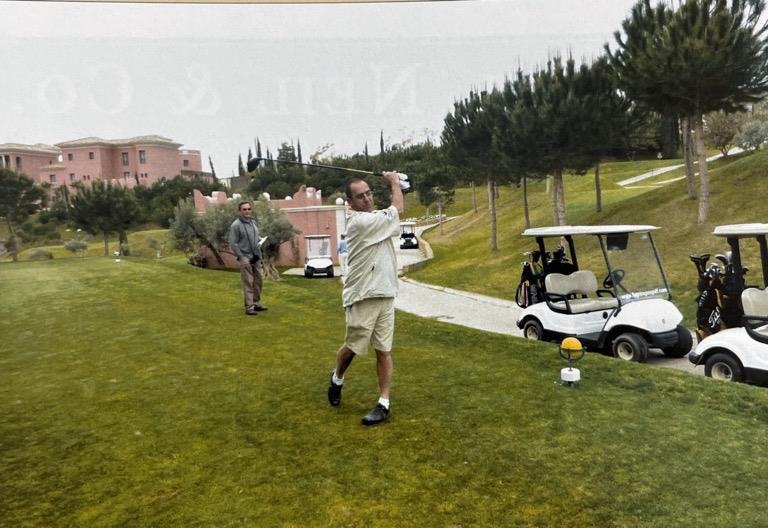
463, 258
138, 394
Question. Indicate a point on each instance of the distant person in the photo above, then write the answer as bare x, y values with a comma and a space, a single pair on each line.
244, 242
369, 289
343, 254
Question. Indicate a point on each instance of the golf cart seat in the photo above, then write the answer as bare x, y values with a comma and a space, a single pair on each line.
571, 293
755, 302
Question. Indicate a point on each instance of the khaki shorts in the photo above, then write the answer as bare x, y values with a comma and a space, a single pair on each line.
370, 321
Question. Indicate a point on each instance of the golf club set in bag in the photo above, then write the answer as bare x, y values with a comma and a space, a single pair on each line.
405, 184
531, 288
719, 300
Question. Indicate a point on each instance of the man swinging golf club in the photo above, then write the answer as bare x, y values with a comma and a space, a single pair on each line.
370, 289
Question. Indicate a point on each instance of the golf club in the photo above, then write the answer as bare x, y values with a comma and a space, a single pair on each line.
405, 184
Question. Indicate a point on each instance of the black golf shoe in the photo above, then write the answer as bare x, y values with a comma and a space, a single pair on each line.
334, 392
376, 415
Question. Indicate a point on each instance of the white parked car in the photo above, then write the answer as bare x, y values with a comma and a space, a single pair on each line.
318, 261
741, 353
630, 313
408, 239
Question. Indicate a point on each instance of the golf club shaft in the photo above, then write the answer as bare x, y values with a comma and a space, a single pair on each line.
253, 163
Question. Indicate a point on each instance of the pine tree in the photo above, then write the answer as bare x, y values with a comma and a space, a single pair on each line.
707, 55
240, 167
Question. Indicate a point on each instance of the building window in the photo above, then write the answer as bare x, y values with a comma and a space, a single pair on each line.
185, 163
90, 155
18, 162
71, 176
70, 156
142, 156
125, 158
53, 179
126, 175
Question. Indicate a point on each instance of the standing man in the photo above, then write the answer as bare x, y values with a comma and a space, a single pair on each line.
244, 242
369, 290
343, 254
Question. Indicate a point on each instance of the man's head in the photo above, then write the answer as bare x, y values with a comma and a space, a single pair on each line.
359, 195
245, 209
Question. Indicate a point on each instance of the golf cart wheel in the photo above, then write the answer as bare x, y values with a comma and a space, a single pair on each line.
532, 330
330, 271
630, 347
308, 274
683, 346
724, 367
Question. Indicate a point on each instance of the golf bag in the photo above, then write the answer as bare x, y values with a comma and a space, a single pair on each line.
531, 288
718, 304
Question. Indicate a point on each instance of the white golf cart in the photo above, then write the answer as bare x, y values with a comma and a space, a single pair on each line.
741, 353
318, 259
632, 311
408, 238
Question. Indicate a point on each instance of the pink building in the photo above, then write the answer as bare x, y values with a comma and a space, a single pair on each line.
141, 160
307, 214
40, 162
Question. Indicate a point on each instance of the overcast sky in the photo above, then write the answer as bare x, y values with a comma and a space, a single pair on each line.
214, 77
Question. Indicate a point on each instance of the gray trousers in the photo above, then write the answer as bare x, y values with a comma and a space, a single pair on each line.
250, 276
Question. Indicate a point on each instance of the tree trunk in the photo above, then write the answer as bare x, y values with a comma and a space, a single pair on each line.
269, 269
690, 178
598, 190
492, 214
558, 198
216, 253
474, 196
106, 244
525, 203
440, 216
12, 240
703, 171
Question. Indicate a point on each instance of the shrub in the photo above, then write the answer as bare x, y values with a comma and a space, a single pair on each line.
76, 245
40, 254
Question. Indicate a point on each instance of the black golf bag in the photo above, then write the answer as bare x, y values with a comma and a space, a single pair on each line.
718, 305
531, 288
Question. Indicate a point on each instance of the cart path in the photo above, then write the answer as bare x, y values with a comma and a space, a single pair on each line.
458, 307
669, 168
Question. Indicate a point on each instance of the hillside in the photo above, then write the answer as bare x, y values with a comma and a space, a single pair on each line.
463, 259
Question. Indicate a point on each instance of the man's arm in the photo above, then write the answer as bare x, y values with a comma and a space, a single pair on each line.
397, 193
233, 239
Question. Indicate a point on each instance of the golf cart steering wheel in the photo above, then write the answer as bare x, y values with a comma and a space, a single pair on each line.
614, 278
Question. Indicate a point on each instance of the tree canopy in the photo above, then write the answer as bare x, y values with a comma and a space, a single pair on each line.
104, 208
19, 198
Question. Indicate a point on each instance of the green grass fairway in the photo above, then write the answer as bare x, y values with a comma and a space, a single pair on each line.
138, 394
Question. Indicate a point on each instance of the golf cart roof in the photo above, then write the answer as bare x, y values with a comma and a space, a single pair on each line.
317, 236
556, 231
741, 230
